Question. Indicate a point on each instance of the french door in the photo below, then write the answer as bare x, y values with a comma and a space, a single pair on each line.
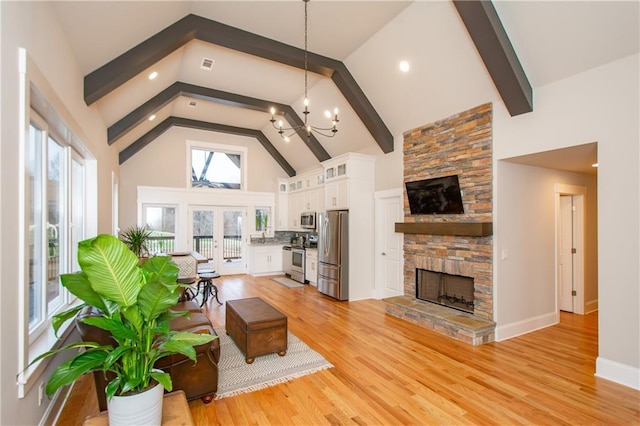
217, 233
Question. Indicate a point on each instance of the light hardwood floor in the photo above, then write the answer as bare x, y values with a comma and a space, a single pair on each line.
388, 371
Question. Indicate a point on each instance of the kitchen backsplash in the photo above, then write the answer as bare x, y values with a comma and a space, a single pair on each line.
281, 237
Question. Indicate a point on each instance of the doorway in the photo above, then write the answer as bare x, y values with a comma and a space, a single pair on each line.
217, 233
570, 250
388, 244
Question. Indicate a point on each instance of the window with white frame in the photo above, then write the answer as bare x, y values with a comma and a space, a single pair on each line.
55, 213
161, 221
216, 166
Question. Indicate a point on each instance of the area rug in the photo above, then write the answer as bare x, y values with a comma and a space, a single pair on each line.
287, 282
235, 376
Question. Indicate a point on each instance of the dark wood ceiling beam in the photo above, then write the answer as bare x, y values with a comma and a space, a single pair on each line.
140, 114
496, 50
368, 115
131, 63
177, 89
158, 130
115, 73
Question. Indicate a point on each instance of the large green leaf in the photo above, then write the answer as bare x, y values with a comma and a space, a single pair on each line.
133, 315
119, 330
161, 268
183, 342
112, 387
163, 378
114, 356
70, 370
156, 298
78, 284
74, 345
111, 268
62, 317
131, 383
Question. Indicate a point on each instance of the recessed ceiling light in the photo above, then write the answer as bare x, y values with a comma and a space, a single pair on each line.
153, 75
206, 64
594, 165
404, 66
152, 117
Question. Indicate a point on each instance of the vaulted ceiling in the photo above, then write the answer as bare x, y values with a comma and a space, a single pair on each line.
256, 49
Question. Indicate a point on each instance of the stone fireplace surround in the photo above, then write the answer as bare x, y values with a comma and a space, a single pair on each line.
462, 145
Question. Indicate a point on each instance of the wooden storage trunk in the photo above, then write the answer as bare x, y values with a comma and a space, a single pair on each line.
256, 327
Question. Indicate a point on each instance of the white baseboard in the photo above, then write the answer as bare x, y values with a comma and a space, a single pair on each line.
617, 372
591, 306
508, 331
56, 405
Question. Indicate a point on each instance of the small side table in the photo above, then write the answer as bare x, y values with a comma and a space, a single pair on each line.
175, 412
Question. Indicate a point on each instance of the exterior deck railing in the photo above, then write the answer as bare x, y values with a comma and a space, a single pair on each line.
231, 246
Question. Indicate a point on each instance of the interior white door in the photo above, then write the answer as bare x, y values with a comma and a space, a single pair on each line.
218, 234
388, 246
565, 254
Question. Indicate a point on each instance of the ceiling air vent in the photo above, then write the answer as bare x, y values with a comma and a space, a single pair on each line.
207, 64
193, 104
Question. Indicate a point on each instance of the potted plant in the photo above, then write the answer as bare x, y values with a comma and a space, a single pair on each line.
135, 304
136, 238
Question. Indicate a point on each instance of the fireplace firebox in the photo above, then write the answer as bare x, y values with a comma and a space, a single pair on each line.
454, 291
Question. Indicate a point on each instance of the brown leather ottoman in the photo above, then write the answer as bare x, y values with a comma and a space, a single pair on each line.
256, 327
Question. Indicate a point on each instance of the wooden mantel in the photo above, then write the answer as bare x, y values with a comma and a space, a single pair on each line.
462, 229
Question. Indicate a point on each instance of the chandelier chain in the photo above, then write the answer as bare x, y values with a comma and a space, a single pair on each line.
307, 128
306, 54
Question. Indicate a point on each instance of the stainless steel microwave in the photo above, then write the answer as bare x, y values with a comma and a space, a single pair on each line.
308, 220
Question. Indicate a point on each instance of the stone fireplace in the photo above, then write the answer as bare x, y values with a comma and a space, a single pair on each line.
451, 244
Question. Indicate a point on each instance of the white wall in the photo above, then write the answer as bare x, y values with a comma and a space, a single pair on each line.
598, 105
32, 25
525, 295
163, 163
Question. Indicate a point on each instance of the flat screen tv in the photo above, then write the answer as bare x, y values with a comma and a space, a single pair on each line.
435, 196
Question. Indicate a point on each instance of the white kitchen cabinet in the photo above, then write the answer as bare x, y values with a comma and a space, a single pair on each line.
311, 266
282, 206
265, 259
336, 195
295, 208
311, 200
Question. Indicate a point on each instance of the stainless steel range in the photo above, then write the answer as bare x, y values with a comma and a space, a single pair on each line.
297, 264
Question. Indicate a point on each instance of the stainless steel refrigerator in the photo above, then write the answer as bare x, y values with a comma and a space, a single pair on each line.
333, 254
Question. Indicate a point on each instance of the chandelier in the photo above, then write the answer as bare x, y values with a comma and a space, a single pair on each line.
307, 128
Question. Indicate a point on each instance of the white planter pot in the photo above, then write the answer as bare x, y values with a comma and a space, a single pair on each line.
143, 408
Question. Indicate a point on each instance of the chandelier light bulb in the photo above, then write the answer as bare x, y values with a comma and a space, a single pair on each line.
286, 139
327, 114
306, 102
280, 123
335, 111
272, 110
